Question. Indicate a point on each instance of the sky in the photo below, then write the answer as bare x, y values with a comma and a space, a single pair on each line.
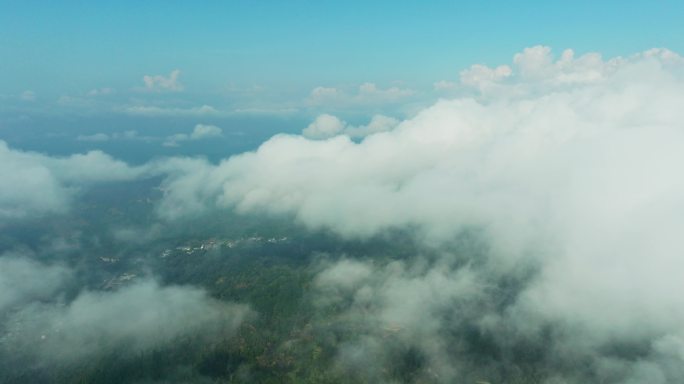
69, 47
79, 75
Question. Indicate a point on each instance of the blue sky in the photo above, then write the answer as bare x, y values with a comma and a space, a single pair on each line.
70, 69
73, 46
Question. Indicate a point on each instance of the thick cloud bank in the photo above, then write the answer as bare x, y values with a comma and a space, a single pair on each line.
572, 165
510, 161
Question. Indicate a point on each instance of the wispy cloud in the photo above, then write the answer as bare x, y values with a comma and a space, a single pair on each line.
200, 132
126, 135
34, 184
160, 83
94, 137
28, 96
204, 110
366, 94
38, 325
326, 126
101, 92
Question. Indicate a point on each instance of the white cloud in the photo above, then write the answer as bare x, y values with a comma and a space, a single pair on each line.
323, 127
377, 124
344, 275
367, 94
444, 85
203, 131
462, 132
324, 92
372, 91
204, 110
535, 61
535, 71
33, 184
200, 132
23, 280
125, 135
480, 75
136, 318
572, 165
160, 83
398, 307
568, 167
326, 126
175, 139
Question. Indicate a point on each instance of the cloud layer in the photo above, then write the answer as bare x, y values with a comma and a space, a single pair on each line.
571, 165
568, 170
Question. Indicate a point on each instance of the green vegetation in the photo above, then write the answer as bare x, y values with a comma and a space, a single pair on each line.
113, 239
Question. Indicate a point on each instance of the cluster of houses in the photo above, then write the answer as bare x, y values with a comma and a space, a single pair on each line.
118, 281
208, 245
203, 246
